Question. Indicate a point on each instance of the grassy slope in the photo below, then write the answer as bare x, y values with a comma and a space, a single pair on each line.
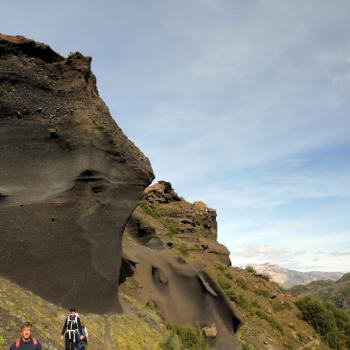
271, 318
337, 292
138, 328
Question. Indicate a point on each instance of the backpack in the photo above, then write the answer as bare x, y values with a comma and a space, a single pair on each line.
70, 322
18, 342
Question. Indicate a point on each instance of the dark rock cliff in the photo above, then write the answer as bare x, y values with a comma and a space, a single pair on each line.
69, 178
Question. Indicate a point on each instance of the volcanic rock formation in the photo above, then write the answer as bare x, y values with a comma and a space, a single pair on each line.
69, 178
183, 290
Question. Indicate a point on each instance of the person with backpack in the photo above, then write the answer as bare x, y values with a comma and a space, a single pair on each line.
26, 342
82, 345
71, 330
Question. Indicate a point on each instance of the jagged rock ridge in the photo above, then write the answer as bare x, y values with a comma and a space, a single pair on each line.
69, 178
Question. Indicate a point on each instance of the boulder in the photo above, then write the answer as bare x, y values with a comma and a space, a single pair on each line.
210, 331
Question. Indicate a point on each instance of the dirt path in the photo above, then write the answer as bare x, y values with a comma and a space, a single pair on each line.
107, 337
313, 342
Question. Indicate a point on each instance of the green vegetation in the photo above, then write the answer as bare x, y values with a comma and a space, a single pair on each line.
127, 331
172, 227
250, 268
244, 335
303, 288
247, 346
184, 337
147, 209
263, 292
183, 248
237, 298
228, 274
270, 319
152, 305
331, 323
255, 304
280, 305
204, 232
345, 278
221, 267
225, 282
269, 314
241, 282
336, 292
264, 276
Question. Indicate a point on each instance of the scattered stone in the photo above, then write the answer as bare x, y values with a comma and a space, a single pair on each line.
53, 133
210, 331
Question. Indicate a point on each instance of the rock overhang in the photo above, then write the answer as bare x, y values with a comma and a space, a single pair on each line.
69, 178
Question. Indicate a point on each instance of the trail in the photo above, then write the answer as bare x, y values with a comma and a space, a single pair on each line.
107, 338
309, 345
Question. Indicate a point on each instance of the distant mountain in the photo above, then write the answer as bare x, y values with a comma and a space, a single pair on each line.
289, 278
337, 292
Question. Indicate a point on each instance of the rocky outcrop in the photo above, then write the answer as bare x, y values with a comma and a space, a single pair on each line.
69, 178
179, 288
188, 217
161, 192
170, 253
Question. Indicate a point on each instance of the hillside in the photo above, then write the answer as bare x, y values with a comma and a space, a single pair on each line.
187, 231
337, 292
270, 318
128, 330
289, 278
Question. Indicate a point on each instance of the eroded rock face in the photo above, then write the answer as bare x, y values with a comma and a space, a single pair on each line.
161, 192
69, 178
180, 288
170, 257
188, 217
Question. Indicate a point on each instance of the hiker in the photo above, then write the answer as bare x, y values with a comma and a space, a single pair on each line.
71, 330
26, 342
82, 345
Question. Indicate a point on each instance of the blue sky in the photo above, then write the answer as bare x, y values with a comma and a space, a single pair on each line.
241, 104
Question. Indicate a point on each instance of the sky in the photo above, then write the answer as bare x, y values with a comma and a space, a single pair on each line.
241, 104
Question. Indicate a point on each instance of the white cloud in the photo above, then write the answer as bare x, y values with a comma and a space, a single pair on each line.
261, 252
339, 254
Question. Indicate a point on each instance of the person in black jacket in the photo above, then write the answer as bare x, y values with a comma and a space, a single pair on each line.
71, 330
26, 342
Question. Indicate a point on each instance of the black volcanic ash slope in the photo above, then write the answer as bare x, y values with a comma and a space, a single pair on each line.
69, 178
